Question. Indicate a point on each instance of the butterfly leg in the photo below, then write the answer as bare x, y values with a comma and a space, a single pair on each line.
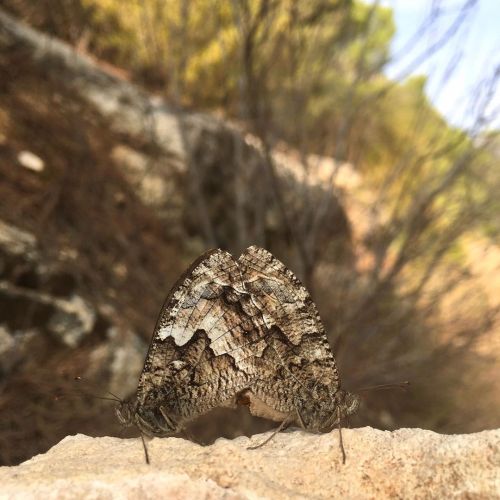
145, 426
146, 454
171, 425
341, 443
282, 426
300, 420
336, 419
154, 426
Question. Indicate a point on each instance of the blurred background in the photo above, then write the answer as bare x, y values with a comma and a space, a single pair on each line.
358, 141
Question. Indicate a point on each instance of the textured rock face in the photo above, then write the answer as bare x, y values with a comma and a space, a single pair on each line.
30, 282
409, 463
192, 149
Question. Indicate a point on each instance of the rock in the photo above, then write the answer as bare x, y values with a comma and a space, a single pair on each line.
188, 166
408, 463
27, 283
48, 290
13, 347
72, 320
122, 355
16, 242
152, 179
69, 319
31, 161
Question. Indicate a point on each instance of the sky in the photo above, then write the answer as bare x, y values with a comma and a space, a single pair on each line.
457, 68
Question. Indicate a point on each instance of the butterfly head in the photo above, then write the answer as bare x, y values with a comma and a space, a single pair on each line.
125, 411
326, 408
151, 416
347, 403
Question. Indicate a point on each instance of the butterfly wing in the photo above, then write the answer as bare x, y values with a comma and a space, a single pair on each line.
299, 358
201, 352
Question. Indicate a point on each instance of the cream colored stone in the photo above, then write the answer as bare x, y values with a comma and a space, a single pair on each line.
30, 161
408, 463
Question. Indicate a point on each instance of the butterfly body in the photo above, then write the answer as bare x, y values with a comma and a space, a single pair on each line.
233, 331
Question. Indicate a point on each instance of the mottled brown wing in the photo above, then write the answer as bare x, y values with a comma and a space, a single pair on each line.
203, 344
302, 355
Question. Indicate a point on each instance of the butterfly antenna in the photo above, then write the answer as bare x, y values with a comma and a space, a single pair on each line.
117, 399
400, 385
146, 454
113, 397
105, 398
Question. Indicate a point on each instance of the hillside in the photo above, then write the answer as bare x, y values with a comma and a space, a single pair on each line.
93, 231
108, 191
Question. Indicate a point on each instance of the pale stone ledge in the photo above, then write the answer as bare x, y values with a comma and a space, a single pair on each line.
408, 463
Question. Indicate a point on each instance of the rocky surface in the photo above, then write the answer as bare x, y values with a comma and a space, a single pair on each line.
39, 304
408, 463
59, 346
183, 156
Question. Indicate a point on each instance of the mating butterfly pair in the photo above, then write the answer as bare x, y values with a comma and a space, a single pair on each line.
238, 330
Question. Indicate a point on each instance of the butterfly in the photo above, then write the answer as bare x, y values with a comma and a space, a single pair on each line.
238, 331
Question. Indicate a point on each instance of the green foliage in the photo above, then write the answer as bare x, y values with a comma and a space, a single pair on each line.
198, 50
310, 73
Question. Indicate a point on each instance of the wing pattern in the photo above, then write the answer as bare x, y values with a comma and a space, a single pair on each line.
232, 327
302, 356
